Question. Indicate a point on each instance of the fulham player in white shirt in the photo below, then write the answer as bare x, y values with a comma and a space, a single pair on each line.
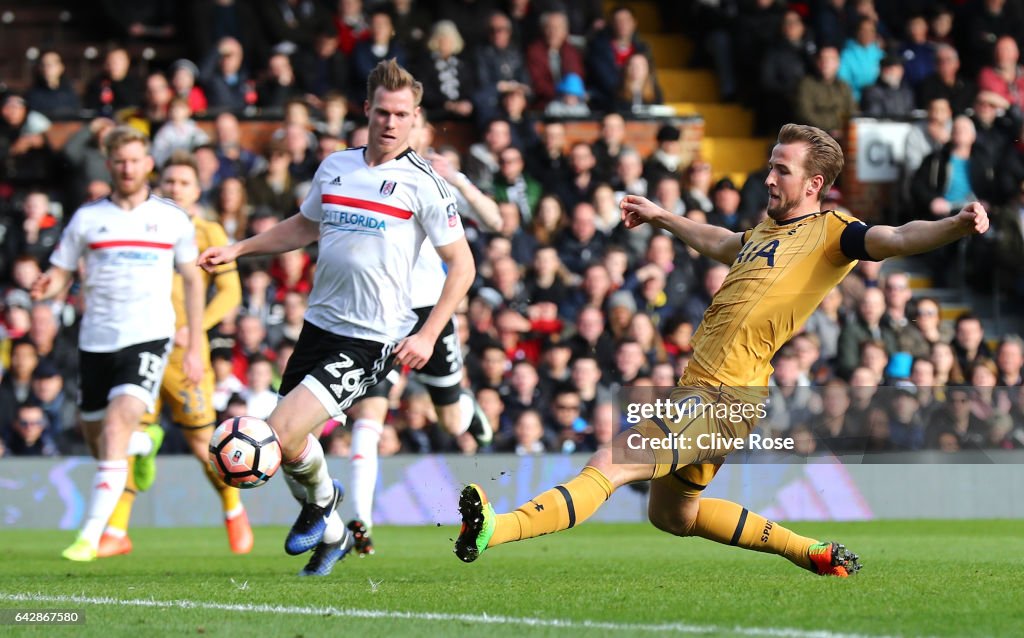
371, 209
131, 243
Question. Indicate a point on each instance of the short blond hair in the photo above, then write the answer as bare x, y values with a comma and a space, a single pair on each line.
824, 155
389, 75
122, 136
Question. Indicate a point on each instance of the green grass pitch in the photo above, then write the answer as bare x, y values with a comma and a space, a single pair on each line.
922, 578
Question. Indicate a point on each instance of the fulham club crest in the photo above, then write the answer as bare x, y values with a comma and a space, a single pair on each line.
387, 188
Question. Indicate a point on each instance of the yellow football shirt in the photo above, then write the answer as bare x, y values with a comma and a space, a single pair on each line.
781, 274
224, 278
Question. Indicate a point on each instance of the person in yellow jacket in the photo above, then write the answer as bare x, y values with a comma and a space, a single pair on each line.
191, 404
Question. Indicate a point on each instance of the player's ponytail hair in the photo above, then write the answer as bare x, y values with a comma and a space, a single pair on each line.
122, 136
824, 155
390, 76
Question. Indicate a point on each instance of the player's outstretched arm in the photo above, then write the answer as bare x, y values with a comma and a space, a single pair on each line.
920, 236
295, 232
416, 349
50, 283
720, 244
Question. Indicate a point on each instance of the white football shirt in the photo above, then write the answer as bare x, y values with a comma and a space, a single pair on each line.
373, 223
129, 265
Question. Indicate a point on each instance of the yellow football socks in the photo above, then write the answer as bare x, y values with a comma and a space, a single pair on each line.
230, 499
559, 508
732, 524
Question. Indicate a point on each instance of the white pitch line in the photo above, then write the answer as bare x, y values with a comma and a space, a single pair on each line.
481, 619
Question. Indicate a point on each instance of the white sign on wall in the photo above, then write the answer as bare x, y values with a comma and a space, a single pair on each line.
880, 147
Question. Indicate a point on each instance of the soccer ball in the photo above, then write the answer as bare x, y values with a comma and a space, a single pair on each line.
245, 452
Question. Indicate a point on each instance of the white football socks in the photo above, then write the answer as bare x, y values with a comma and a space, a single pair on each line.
310, 470
107, 487
467, 410
365, 437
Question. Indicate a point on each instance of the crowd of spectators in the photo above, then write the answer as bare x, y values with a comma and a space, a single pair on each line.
568, 306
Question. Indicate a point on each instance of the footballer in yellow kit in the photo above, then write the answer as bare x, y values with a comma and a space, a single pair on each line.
779, 273
191, 405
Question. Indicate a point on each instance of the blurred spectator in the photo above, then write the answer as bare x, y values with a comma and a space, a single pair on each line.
834, 426
867, 325
639, 86
591, 340
25, 153
180, 133
726, 198
1010, 360
499, 68
630, 365
412, 25
292, 23
48, 392
969, 343
784, 64
291, 271
184, 76
551, 57
547, 161
514, 186
608, 54
380, 46
917, 52
115, 87
522, 244
985, 22
695, 306
322, 68
52, 94
24, 358
274, 189
889, 97
950, 177
252, 343
610, 145
860, 58
925, 137
826, 323
226, 383
86, 159
278, 86
698, 187
525, 18
156, 104
947, 369
994, 130
37, 234
482, 164
957, 419
664, 161
294, 305
947, 82
350, 20
260, 397
523, 391
208, 166
139, 19
581, 243
448, 80
824, 100
874, 356
570, 99
527, 435
30, 435
232, 209
620, 307
549, 220
1005, 76
898, 295
565, 424
335, 114
513, 105
642, 330
235, 160
927, 318
228, 87
55, 345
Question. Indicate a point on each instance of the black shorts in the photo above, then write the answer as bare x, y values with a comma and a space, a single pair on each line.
136, 370
442, 374
337, 370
